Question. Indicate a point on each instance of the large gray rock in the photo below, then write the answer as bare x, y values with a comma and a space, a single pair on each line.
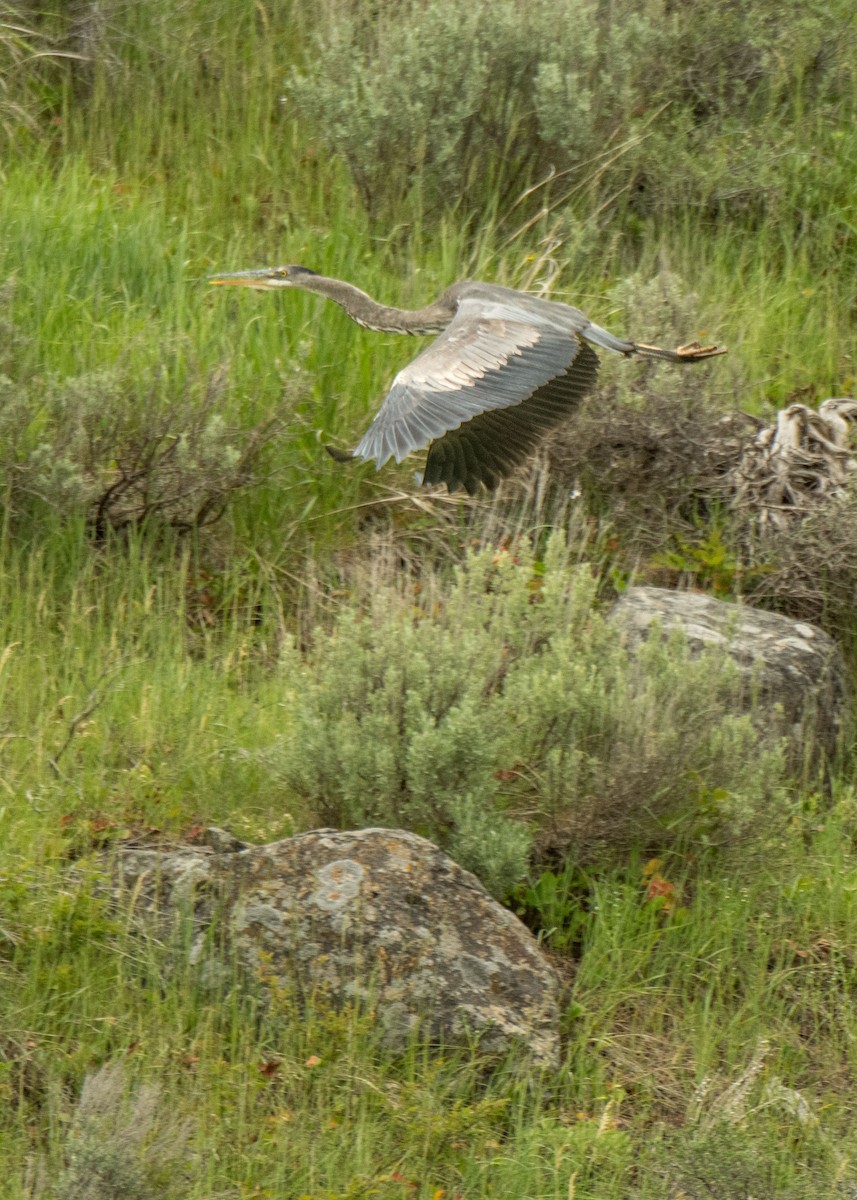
794, 672
380, 917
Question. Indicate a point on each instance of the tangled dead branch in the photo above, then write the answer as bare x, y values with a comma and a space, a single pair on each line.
764, 509
800, 460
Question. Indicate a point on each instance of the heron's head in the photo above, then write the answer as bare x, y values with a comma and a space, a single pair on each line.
265, 278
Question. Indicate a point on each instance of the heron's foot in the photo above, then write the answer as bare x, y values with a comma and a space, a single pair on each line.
339, 455
693, 352
689, 353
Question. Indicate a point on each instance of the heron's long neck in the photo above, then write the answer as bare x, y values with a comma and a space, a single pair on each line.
372, 315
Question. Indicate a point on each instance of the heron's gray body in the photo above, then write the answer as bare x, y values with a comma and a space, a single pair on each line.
505, 369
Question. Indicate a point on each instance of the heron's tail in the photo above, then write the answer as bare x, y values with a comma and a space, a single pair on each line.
692, 352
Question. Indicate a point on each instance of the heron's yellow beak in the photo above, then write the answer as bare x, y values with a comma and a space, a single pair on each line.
263, 279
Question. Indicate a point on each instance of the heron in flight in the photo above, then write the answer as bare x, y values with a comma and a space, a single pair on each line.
505, 369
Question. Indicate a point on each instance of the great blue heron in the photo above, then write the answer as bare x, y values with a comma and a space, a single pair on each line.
506, 369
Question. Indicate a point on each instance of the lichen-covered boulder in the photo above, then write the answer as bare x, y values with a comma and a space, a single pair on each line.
794, 673
380, 917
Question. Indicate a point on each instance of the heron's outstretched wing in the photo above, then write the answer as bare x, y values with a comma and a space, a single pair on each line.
486, 449
497, 378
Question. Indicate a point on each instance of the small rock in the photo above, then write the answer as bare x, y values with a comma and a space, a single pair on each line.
794, 672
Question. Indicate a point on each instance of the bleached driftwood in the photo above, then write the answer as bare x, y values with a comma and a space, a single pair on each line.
803, 458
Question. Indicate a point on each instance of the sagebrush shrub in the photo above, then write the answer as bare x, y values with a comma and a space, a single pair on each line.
505, 710
92, 447
392, 722
464, 102
122, 1141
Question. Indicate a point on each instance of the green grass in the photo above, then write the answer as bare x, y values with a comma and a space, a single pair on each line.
708, 1037
668, 1013
670, 1002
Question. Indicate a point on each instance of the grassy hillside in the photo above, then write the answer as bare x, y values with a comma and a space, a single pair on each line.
162, 644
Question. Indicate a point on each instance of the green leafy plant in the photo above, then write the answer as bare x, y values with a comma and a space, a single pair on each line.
709, 563
555, 905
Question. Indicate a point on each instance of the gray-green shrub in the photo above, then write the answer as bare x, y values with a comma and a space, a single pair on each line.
507, 709
121, 1141
662, 104
91, 446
